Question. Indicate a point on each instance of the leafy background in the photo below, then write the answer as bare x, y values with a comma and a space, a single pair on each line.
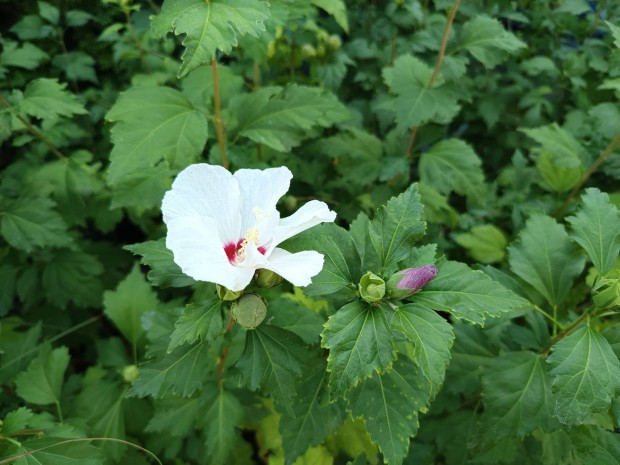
477, 136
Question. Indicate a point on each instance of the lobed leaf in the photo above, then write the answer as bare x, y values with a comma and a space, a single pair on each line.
596, 228
199, 321
359, 340
41, 383
47, 98
487, 40
224, 414
586, 374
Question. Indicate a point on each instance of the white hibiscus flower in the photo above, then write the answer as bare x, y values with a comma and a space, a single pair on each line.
222, 227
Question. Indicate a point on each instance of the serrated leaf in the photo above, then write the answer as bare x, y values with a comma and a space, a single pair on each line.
595, 446
517, 396
369, 258
153, 123
271, 360
164, 271
54, 453
313, 417
73, 276
199, 321
225, 413
31, 222
180, 372
337, 9
452, 166
596, 227
545, 258
128, 302
486, 243
586, 374
415, 103
17, 348
487, 40
396, 226
210, 26
389, 405
144, 188
467, 294
565, 150
47, 98
283, 118
16, 420
432, 336
288, 314
76, 66
360, 343
27, 56
177, 418
555, 178
41, 383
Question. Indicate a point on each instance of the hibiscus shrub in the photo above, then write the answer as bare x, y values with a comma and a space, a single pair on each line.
309, 232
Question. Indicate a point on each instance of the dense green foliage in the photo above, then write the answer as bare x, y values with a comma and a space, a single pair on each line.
479, 137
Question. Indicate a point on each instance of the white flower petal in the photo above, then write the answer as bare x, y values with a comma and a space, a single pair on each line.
197, 249
261, 189
310, 214
297, 268
209, 191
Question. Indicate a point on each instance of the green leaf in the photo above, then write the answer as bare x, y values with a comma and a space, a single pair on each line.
54, 453
359, 229
555, 178
180, 372
337, 247
17, 349
16, 420
76, 66
586, 374
282, 118
41, 383
595, 446
31, 222
487, 40
177, 418
467, 294
225, 414
545, 258
452, 166
153, 123
389, 405
596, 228
432, 337
615, 31
73, 276
210, 26
313, 417
415, 103
8, 275
199, 321
485, 243
517, 396
396, 226
272, 359
288, 314
360, 342
337, 9
128, 302
144, 188
164, 271
49, 12
565, 150
47, 98
27, 56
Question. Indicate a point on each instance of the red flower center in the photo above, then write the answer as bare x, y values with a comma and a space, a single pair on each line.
231, 250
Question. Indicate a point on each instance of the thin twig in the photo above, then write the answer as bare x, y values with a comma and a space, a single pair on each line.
34, 131
584, 177
437, 70
569, 329
220, 363
218, 115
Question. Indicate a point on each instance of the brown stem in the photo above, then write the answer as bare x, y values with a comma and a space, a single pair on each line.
584, 177
34, 131
437, 70
256, 76
220, 363
221, 139
569, 329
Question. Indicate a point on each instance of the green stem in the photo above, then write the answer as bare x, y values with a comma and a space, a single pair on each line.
551, 318
59, 412
219, 127
555, 317
572, 327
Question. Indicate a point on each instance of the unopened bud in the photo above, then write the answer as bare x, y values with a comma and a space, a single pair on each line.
405, 282
249, 311
226, 294
308, 51
606, 291
131, 373
267, 278
371, 287
334, 42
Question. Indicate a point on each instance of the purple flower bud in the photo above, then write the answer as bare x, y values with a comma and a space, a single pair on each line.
405, 282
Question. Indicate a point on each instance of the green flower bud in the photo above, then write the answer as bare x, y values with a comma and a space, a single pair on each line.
334, 42
267, 278
131, 373
308, 51
606, 291
372, 287
249, 311
226, 294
